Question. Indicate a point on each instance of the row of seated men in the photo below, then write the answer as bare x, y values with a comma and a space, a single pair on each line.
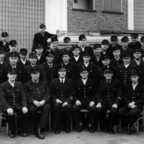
48, 71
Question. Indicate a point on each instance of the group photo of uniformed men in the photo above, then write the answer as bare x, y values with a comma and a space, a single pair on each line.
105, 80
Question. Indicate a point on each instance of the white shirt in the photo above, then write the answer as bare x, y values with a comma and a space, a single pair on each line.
134, 85
86, 64
126, 65
137, 61
84, 81
66, 63
38, 56
62, 80
76, 57
11, 83
23, 61
83, 48
50, 64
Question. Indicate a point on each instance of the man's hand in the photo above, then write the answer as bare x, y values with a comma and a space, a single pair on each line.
42, 102
24, 110
58, 101
36, 103
64, 104
133, 106
114, 105
130, 105
10, 111
78, 103
91, 103
98, 105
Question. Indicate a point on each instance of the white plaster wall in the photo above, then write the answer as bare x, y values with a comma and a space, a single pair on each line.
56, 15
130, 14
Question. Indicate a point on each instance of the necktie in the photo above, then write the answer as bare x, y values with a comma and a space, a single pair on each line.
62, 81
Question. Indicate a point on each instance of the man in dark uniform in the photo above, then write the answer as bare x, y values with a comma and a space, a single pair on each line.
40, 55
88, 65
38, 97
13, 59
133, 102
13, 100
97, 57
135, 43
50, 67
71, 68
23, 57
85, 97
76, 57
83, 45
2, 55
123, 70
33, 65
62, 92
41, 38
117, 60
56, 50
108, 98
4, 42
68, 45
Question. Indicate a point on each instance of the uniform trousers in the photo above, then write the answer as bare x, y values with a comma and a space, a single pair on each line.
39, 123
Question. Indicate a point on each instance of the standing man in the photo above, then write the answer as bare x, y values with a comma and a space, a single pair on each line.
13, 102
41, 38
38, 96
85, 97
62, 93
4, 42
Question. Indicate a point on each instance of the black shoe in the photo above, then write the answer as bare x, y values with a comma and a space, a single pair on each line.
91, 129
22, 134
39, 134
79, 128
67, 130
12, 135
112, 131
57, 131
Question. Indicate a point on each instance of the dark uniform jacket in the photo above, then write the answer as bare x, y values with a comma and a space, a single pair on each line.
12, 96
6, 46
4, 72
22, 64
73, 60
51, 72
109, 93
129, 50
36, 91
136, 95
91, 69
115, 62
41, 39
87, 48
96, 62
85, 92
29, 68
41, 60
3, 64
64, 92
57, 57
132, 45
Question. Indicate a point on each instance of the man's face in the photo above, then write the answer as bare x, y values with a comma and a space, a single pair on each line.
83, 42
62, 73
33, 60
86, 59
68, 44
106, 62
84, 74
125, 44
114, 42
65, 58
142, 43
116, 53
5, 39
2, 55
23, 56
137, 55
12, 48
50, 58
126, 60
13, 60
42, 30
39, 51
133, 39
12, 77
134, 78
104, 47
108, 76
76, 52
97, 51
55, 45
35, 76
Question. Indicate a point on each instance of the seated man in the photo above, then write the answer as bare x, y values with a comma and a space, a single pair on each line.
108, 98
62, 92
85, 91
134, 101
38, 96
13, 101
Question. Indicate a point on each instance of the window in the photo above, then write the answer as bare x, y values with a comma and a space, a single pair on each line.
84, 4
112, 6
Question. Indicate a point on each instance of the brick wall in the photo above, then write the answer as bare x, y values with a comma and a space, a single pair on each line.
80, 21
